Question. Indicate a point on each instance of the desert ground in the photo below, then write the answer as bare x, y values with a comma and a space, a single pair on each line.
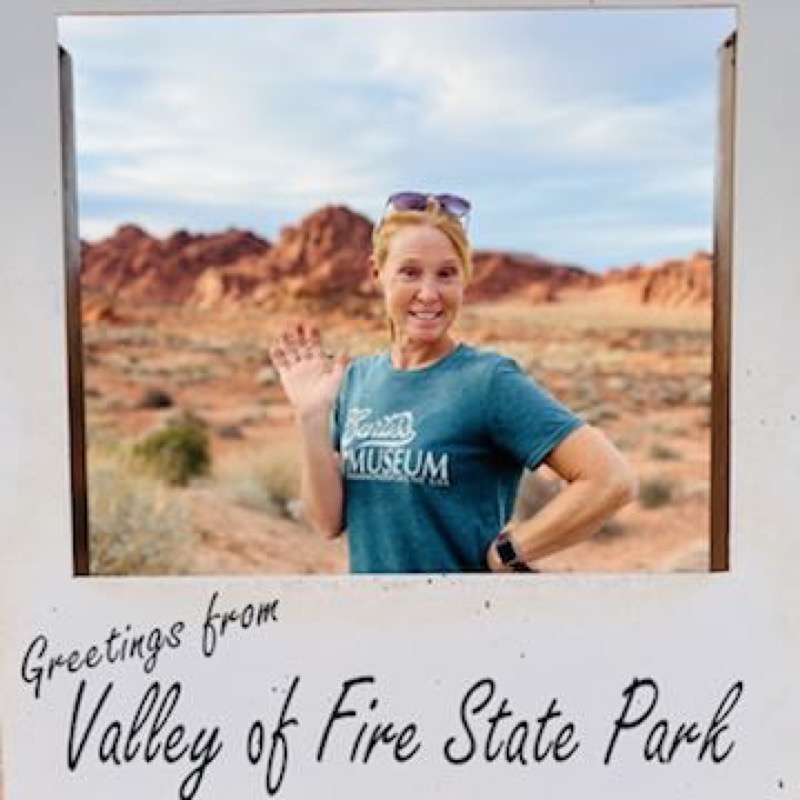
641, 374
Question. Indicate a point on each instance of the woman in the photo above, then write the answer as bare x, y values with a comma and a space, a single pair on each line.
418, 451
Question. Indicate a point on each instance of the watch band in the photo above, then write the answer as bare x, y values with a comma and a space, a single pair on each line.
507, 553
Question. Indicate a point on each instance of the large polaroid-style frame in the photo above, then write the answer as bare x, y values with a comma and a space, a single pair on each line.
669, 685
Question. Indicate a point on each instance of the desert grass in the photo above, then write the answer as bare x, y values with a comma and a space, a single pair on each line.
137, 526
267, 481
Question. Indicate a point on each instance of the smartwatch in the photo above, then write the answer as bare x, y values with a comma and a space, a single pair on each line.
507, 553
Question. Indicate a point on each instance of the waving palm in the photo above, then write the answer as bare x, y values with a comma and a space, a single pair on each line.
309, 377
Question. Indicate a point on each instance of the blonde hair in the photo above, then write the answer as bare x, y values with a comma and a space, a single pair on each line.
434, 217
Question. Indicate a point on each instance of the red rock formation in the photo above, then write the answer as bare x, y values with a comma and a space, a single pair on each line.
672, 283
138, 267
499, 274
323, 262
226, 287
324, 257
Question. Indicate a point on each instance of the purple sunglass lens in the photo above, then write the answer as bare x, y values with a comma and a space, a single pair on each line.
457, 206
418, 201
409, 201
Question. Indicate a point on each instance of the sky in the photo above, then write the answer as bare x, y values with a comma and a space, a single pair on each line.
584, 136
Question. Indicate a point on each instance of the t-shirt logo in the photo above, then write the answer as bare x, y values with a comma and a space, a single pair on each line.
390, 430
377, 449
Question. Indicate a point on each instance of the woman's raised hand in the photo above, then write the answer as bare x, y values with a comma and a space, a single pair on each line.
310, 378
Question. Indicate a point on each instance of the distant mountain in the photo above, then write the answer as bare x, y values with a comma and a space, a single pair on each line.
323, 262
674, 283
134, 266
499, 274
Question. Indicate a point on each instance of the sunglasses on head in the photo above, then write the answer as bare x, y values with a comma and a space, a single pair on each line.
418, 201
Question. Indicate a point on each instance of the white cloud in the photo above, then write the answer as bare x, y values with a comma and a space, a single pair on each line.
209, 133
283, 113
468, 86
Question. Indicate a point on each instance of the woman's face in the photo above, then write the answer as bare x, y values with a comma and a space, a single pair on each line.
423, 284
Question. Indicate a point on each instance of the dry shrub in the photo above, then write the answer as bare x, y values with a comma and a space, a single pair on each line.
230, 432
156, 398
663, 452
268, 481
656, 492
612, 530
136, 525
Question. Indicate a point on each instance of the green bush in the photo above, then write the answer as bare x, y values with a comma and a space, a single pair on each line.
176, 453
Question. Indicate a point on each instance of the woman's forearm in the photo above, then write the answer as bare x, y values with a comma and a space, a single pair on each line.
311, 381
599, 482
575, 513
322, 492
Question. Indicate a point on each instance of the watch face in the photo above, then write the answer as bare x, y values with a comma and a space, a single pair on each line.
506, 551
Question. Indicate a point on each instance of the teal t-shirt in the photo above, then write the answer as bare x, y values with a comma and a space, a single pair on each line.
432, 458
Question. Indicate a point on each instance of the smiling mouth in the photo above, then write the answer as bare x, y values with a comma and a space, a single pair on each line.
426, 316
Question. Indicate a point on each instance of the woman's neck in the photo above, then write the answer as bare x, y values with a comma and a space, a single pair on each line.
412, 355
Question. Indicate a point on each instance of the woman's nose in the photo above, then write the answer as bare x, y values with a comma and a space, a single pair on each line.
428, 289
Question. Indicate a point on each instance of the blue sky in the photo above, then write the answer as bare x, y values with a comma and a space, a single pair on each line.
583, 136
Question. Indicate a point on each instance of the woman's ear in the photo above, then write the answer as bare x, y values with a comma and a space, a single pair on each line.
373, 267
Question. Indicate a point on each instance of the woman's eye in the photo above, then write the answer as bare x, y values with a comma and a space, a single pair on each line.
409, 272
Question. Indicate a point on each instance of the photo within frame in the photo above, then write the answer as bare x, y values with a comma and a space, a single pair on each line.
216, 210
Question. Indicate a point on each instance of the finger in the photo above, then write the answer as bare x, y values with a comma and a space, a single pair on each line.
278, 356
282, 341
292, 351
311, 353
314, 339
314, 345
312, 333
311, 347
291, 346
300, 343
301, 334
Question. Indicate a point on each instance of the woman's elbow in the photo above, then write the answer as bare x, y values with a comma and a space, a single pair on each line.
331, 531
621, 486
328, 528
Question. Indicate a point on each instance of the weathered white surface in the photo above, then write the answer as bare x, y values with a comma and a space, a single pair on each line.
579, 638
